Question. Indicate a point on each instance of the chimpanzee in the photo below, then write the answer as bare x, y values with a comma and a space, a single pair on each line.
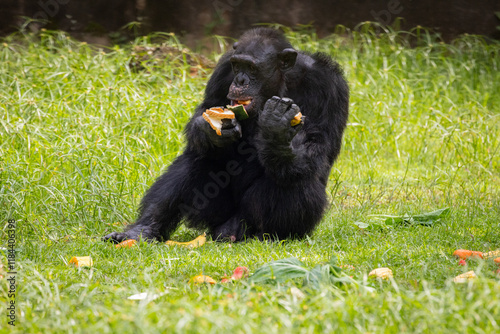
261, 177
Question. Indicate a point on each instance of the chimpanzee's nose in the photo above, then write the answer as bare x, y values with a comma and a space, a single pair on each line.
241, 79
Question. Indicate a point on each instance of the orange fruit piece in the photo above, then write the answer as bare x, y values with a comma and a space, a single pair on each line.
465, 254
199, 241
82, 261
127, 243
199, 279
296, 119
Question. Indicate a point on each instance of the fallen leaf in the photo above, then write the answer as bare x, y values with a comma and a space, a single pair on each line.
388, 221
362, 225
199, 241
280, 271
83, 261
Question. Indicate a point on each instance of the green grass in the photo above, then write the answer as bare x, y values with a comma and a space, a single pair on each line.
82, 137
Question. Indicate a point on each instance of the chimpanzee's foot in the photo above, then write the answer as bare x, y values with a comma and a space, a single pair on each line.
136, 232
117, 237
233, 230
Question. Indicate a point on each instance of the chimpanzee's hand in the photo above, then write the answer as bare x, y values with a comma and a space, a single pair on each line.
230, 131
275, 120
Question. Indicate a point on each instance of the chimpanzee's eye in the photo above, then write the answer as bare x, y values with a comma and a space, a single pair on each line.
253, 69
236, 67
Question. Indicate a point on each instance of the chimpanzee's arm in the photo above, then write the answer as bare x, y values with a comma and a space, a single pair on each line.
294, 153
290, 153
202, 139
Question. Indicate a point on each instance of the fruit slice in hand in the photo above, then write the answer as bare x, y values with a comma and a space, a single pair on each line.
239, 111
297, 119
214, 117
219, 112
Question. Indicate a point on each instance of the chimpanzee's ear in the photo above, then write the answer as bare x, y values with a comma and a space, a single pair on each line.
286, 59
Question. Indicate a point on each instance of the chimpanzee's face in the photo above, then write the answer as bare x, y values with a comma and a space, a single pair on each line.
258, 74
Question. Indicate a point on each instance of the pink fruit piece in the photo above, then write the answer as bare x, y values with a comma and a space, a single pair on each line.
462, 262
239, 273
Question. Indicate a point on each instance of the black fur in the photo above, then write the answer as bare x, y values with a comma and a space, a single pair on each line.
262, 176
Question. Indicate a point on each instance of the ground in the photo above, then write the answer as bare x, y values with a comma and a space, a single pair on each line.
83, 135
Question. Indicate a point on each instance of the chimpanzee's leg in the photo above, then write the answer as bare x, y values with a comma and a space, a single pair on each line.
193, 188
159, 213
270, 210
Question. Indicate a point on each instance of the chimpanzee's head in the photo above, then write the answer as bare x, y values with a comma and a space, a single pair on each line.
260, 59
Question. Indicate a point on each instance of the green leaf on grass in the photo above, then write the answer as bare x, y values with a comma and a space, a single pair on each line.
291, 268
387, 221
432, 216
362, 225
280, 271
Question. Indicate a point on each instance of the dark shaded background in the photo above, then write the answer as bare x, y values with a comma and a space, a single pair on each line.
102, 19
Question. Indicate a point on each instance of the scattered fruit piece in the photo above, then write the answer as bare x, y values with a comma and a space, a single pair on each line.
139, 296
83, 261
463, 278
127, 244
297, 119
239, 111
462, 262
384, 273
199, 241
491, 254
148, 295
199, 279
497, 261
465, 254
225, 280
347, 267
239, 273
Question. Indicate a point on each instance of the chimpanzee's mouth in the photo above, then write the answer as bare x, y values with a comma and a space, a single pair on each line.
242, 102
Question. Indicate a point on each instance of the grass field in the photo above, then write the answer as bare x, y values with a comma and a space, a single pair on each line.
82, 137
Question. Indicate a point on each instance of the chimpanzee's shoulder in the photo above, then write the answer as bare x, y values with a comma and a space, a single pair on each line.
318, 61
